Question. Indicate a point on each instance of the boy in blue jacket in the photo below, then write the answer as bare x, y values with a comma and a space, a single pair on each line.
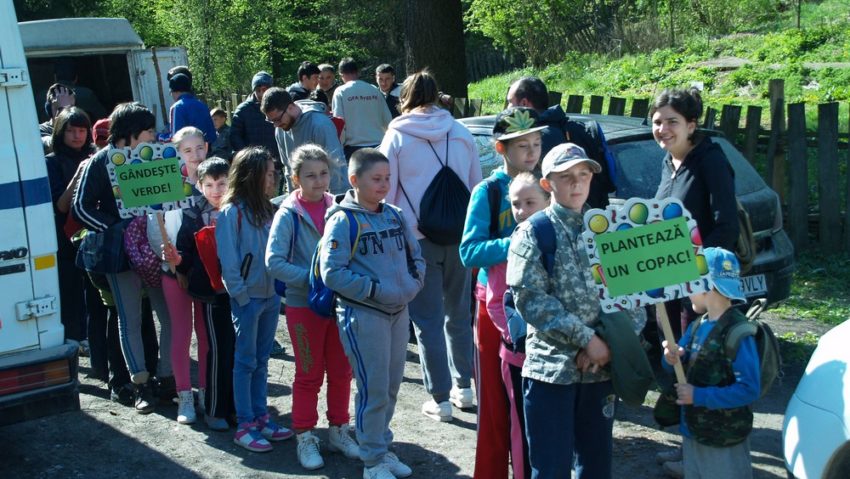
716, 401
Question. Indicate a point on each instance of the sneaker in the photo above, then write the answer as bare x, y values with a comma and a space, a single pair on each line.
278, 349
249, 437
339, 440
186, 407
439, 412
166, 390
202, 409
144, 402
378, 471
674, 469
461, 397
672, 455
398, 468
308, 451
124, 395
272, 431
216, 423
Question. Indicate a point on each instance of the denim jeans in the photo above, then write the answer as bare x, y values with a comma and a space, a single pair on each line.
569, 426
255, 325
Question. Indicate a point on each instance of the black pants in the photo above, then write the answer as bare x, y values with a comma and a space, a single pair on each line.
221, 339
349, 150
97, 313
72, 298
118, 373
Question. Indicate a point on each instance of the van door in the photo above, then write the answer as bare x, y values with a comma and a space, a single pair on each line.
27, 234
150, 87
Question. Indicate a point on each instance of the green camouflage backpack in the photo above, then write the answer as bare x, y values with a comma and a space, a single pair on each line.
770, 362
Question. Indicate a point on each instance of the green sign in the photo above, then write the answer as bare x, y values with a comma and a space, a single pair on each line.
150, 183
647, 257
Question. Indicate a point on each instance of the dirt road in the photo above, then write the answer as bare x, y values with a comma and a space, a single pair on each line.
105, 439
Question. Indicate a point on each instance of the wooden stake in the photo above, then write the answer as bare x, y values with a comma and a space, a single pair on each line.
161, 221
661, 311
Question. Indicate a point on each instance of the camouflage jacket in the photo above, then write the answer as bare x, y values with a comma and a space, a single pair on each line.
561, 310
712, 366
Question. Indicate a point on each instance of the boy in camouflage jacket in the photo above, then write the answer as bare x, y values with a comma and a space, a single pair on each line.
568, 399
716, 415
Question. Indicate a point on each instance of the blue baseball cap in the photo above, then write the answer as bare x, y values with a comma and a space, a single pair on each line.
725, 272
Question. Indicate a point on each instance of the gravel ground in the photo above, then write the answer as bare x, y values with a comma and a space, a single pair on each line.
105, 439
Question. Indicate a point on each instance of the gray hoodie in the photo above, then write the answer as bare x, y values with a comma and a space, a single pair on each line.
381, 274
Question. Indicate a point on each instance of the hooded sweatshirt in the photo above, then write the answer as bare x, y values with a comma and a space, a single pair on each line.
293, 267
313, 126
413, 164
241, 248
386, 270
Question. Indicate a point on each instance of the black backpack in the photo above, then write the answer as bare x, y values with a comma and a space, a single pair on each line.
442, 210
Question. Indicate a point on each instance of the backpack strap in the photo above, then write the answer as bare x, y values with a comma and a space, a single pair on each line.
736, 333
494, 199
353, 231
296, 223
544, 233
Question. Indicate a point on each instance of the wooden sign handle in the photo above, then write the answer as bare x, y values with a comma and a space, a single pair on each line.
161, 221
661, 311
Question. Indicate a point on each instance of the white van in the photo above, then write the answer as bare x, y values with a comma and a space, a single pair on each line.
38, 368
108, 59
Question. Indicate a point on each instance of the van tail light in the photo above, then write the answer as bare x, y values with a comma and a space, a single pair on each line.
34, 376
777, 219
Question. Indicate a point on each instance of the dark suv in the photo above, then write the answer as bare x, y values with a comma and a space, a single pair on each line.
638, 159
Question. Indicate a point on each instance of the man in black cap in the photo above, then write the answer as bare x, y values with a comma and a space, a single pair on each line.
187, 110
249, 126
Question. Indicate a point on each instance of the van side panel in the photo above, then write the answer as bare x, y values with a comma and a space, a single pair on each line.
147, 85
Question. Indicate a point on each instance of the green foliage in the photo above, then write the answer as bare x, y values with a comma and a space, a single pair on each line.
819, 289
797, 348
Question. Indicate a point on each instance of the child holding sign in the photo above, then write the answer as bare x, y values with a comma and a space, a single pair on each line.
297, 228
218, 400
527, 197
716, 414
569, 400
241, 233
486, 236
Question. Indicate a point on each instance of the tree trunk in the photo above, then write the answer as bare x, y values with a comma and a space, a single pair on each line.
434, 39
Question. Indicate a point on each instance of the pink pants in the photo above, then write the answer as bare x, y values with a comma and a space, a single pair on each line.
182, 317
318, 351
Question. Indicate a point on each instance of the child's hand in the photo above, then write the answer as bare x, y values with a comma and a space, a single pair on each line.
170, 254
182, 281
686, 394
598, 353
672, 357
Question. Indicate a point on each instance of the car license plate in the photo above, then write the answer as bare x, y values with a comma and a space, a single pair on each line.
754, 285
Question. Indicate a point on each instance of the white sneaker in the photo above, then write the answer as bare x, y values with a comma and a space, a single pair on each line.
201, 408
339, 440
308, 451
461, 397
439, 412
378, 471
398, 468
185, 407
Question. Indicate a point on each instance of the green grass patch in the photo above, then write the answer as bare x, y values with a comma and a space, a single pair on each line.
797, 348
819, 289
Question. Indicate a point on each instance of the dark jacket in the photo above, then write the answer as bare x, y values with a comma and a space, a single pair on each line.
250, 128
221, 148
298, 92
194, 219
631, 373
586, 135
705, 182
61, 166
189, 111
94, 204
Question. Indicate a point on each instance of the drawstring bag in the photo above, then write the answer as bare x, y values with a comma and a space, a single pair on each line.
140, 254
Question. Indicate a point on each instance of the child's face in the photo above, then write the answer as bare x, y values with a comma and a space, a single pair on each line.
218, 121
525, 201
270, 179
213, 189
193, 150
521, 154
698, 302
372, 186
326, 80
571, 187
313, 178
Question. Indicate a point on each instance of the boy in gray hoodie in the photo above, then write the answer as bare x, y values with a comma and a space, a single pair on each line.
375, 279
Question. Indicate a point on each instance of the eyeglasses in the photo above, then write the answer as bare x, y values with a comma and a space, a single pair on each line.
276, 120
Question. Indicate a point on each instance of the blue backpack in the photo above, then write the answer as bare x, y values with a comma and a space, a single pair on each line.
320, 298
544, 233
280, 286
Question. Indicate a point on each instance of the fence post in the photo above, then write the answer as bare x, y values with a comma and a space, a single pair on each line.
798, 190
775, 160
847, 205
730, 118
830, 219
459, 107
575, 103
617, 106
555, 98
640, 108
596, 104
710, 118
751, 132
474, 108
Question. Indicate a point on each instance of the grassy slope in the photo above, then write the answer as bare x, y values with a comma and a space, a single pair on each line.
780, 52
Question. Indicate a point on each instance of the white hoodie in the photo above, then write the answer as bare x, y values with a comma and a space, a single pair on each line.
414, 164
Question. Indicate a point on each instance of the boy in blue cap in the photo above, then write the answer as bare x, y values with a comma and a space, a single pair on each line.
716, 401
